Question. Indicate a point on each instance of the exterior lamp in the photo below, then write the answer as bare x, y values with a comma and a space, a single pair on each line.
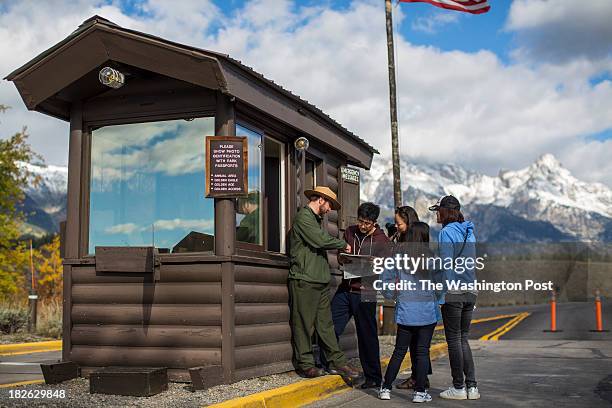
111, 77
301, 144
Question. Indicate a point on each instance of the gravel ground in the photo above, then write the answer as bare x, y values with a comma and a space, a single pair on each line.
178, 394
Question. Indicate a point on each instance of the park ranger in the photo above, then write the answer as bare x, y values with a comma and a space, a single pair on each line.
309, 280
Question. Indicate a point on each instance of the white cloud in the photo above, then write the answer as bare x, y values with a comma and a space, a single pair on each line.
177, 223
431, 23
169, 147
127, 229
469, 108
206, 225
561, 29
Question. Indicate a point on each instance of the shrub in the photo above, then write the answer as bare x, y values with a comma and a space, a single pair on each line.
13, 319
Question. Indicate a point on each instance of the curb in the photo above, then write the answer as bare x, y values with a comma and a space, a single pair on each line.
22, 383
307, 391
26, 348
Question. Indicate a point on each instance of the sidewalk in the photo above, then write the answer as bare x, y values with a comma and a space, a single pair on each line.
310, 390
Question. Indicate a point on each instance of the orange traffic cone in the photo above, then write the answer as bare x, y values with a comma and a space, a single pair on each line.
598, 317
553, 314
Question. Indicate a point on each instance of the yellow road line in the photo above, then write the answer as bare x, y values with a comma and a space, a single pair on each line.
505, 328
17, 384
484, 319
498, 329
515, 322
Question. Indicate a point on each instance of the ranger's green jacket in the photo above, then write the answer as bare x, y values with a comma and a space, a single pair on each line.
307, 245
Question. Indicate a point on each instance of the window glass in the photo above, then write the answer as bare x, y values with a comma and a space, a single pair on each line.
147, 186
248, 214
274, 182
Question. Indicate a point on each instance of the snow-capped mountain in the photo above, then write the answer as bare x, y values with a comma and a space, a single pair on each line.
45, 201
544, 192
542, 202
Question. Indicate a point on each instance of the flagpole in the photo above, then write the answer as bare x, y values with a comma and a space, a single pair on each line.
397, 187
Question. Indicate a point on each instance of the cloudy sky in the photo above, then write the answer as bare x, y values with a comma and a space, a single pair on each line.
486, 91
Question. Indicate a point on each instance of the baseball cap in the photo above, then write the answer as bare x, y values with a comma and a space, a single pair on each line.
448, 201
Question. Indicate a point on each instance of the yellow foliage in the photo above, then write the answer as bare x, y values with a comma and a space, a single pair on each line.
13, 271
49, 270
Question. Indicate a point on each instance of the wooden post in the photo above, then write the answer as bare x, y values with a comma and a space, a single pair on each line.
225, 244
73, 220
397, 187
74, 182
33, 297
225, 211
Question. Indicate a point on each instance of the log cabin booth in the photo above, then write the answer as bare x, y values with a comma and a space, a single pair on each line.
155, 272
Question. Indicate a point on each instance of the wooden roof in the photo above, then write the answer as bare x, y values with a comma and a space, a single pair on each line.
97, 40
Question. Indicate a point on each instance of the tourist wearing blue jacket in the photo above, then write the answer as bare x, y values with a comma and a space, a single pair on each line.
416, 313
457, 243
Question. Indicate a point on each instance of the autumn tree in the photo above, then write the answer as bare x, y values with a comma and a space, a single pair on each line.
13, 178
48, 266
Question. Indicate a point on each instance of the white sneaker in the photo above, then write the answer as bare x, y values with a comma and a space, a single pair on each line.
384, 393
472, 393
421, 397
454, 393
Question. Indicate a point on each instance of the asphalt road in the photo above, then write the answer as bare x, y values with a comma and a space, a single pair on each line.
574, 322
526, 367
25, 367
515, 373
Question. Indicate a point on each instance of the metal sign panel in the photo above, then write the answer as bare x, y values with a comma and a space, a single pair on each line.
226, 166
349, 175
349, 196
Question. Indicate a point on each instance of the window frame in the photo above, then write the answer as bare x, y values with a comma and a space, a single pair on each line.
283, 196
86, 144
281, 137
248, 245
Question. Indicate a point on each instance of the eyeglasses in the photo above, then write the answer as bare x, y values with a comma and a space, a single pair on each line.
365, 223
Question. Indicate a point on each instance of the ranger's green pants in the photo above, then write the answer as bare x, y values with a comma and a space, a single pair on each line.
310, 311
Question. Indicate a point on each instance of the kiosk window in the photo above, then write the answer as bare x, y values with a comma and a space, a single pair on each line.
249, 214
147, 186
274, 175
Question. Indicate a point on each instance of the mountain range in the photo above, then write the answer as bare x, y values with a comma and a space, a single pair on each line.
542, 202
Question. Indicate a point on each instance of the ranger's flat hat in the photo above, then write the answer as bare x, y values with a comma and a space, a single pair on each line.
326, 193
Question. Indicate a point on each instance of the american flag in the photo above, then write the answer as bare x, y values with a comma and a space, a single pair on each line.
468, 6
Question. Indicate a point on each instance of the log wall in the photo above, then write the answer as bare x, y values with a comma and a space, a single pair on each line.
127, 319
263, 334
130, 320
